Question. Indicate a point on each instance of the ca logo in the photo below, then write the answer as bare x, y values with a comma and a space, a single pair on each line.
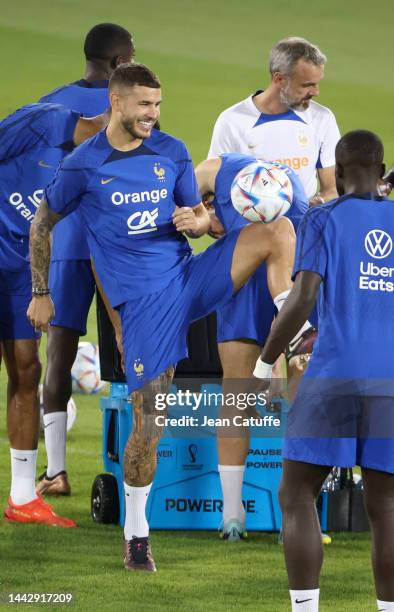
378, 244
141, 223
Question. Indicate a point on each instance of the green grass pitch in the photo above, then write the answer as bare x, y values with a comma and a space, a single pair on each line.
209, 54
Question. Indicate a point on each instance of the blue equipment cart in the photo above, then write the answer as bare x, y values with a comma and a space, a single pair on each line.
186, 493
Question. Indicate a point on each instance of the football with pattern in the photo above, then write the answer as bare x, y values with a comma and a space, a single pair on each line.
261, 192
85, 373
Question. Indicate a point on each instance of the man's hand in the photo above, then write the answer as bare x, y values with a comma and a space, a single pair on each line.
185, 220
41, 312
192, 221
316, 200
386, 184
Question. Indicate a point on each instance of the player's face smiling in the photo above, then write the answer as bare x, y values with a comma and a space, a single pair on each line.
302, 85
139, 110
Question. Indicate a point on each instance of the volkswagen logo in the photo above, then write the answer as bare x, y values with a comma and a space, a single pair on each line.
378, 244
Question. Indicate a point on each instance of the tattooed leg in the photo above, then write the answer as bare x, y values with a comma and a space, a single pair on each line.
140, 451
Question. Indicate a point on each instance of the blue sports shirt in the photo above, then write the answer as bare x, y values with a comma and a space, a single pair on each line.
89, 99
232, 163
126, 200
33, 140
349, 242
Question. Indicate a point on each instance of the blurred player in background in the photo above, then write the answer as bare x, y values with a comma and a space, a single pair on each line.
29, 138
281, 123
71, 279
343, 413
138, 196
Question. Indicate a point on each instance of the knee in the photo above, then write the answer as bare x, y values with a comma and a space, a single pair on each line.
144, 400
291, 495
283, 234
25, 375
277, 237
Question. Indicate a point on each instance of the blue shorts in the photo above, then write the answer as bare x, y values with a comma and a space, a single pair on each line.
249, 313
72, 289
341, 430
155, 326
15, 296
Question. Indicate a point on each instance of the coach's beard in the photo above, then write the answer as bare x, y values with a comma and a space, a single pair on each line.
300, 105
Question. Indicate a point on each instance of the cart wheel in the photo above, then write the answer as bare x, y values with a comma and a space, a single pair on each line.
104, 499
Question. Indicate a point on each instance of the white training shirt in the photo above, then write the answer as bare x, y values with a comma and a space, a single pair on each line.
304, 140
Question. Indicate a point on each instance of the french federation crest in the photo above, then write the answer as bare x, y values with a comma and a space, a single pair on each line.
160, 172
139, 368
302, 139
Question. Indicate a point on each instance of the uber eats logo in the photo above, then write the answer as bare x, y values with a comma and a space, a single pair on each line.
373, 277
140, 222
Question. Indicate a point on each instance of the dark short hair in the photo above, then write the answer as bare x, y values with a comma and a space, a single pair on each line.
360, 148
106, 41
128, 75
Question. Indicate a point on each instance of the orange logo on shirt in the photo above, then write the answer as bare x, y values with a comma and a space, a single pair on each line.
295, 163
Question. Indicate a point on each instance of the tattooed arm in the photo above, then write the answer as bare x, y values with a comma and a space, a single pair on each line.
41, 309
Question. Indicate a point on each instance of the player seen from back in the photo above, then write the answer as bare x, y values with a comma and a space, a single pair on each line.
71, 279
343, 413
137, 193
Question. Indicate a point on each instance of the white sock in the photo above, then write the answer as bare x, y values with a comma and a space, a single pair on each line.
55, 430
305, 601
135, 524
231, 477
386, 605
279, 301
23, 476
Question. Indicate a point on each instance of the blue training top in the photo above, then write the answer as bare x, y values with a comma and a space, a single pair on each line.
349, 242
126, 200
33, 140
89, 99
